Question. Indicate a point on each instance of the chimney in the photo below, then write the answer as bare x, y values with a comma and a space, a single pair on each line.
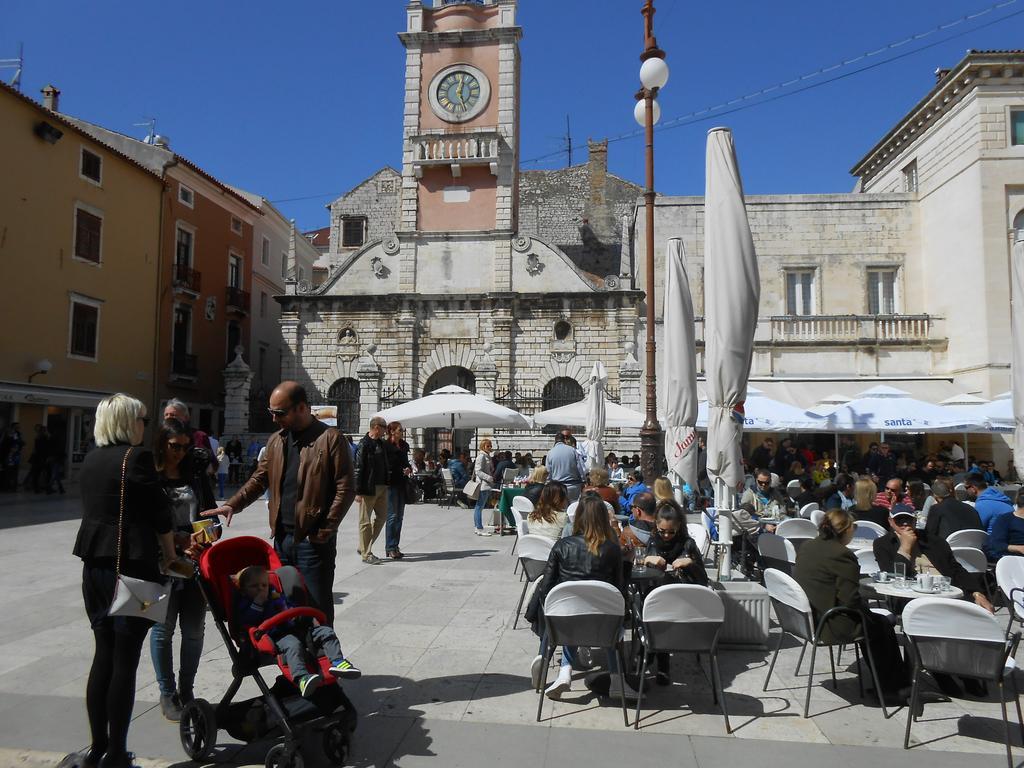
597, 170
51, 98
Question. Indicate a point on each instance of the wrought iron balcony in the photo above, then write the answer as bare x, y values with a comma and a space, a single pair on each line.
237, 299
187, 278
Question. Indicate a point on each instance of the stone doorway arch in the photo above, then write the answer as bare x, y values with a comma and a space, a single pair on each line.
436, 439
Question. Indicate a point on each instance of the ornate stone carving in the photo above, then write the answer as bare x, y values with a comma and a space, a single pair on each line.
630, 363
521, 243
391, 245
484, 361
611, 282
380, 271
210, 312
563, 357
304, 286
534, 266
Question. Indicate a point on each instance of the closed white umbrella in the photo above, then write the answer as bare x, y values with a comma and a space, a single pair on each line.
733, 294
575, 415
453, 407
678, 380
1017, 360
596, 415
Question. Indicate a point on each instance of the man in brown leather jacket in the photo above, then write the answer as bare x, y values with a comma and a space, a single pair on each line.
307, 468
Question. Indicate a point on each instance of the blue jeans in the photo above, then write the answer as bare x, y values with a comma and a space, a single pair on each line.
316, 564
396, 514
569, 656
294, 650
478, 510
186, 608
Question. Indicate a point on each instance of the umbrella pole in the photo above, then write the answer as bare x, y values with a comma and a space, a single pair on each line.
966, 459
835, 457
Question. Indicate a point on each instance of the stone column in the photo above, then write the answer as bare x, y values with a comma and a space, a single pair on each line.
370, 377
237, 380
290, 334
629, 379
486, 373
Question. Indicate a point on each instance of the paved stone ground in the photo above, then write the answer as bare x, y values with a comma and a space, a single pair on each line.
445, 675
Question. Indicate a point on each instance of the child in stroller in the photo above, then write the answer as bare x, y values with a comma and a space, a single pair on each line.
285, 711
257, 602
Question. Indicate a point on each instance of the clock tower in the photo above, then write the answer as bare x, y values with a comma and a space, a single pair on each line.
460, 159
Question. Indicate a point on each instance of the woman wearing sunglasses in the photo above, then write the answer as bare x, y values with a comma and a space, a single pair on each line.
189, 489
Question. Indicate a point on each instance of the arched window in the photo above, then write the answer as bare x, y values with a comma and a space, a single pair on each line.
344, 394
1018, 226
558, 392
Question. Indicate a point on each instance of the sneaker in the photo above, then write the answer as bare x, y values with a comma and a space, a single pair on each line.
308, 685
344, 668
557, 689
482, 532
536, 671
372, 559
170, 707
617, 691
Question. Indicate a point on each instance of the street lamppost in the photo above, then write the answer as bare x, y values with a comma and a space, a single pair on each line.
653, 76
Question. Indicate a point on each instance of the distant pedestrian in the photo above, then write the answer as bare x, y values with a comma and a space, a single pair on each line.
38, 461
371, 472
222, 470
399, 472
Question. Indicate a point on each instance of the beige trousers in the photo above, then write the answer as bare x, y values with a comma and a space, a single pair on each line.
373, 513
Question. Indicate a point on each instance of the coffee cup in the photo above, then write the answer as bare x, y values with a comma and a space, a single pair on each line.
925, 582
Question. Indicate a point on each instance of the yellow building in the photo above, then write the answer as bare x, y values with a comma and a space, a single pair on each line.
79, 256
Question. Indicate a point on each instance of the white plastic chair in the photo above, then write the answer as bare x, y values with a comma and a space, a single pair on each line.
793, 488
701, 538
448, 486
866, 560
817, 517
522, 528
970, 537
797, 528
533, 556
1010, 578
587, 613
973, 560
955, 637
683, 618
508, 477
807, 509
570, 511
865, 529
793, 610
776, 552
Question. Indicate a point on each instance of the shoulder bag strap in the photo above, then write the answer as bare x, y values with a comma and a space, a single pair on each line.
120, 516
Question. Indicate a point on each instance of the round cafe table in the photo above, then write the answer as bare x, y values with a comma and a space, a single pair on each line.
505, 501
889, 589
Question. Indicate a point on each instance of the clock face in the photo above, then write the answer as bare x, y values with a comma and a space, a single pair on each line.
458, 92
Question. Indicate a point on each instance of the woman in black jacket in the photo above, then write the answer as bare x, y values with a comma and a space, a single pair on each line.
110, 691
189, 490
591, 553
399, 470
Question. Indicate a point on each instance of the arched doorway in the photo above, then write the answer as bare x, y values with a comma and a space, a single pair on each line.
560, 391
436, 439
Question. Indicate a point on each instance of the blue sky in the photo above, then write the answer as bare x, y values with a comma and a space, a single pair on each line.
303, 100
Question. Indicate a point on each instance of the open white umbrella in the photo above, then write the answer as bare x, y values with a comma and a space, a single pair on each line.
733, 294
575, 415
454, 408
763, 414
887, 409
596, 415
1017, 359
678, 380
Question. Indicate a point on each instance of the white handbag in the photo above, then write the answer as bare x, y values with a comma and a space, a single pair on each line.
136, 597
472, 489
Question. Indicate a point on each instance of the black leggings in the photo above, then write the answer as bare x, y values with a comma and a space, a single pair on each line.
110, 693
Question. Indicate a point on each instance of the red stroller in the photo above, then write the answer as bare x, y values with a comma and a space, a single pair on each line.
279, 711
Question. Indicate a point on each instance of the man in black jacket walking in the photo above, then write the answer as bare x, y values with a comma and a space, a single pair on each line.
372, 487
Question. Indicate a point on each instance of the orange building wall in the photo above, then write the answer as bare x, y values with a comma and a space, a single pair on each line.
214, 240
485, 58
439, 216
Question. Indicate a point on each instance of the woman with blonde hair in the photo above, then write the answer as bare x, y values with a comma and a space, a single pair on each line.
483, 471
591, 553
828, 571
548, 517
535, 484
663, 490
598, 477
864, 507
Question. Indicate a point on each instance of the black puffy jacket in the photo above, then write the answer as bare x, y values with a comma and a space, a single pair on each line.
570, 560
371, 456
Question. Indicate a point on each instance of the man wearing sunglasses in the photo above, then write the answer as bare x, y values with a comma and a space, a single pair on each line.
307, 468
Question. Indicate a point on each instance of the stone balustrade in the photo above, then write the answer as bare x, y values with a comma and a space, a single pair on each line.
456, 150
839, 329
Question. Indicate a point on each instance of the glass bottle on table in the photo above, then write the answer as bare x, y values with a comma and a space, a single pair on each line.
900, 570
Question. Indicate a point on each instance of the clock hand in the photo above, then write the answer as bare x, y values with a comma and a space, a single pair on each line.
458, 93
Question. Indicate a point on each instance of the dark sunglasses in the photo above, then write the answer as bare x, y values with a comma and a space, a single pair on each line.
764, 482
667, 531
277, 413
178, 447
